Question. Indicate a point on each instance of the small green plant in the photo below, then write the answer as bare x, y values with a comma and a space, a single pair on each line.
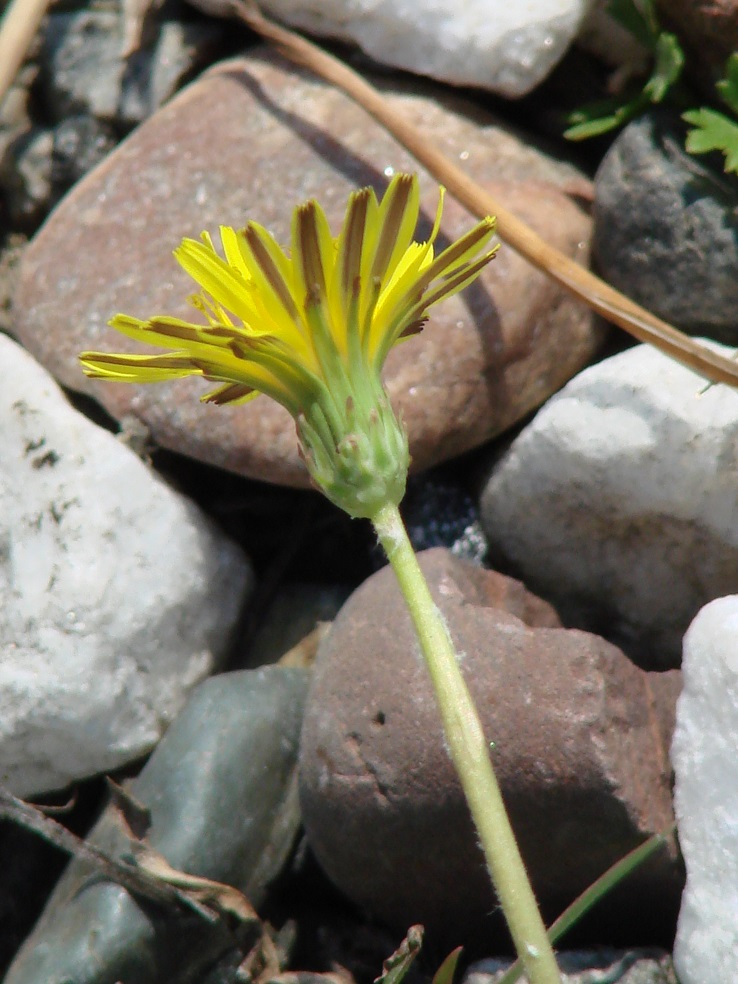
711, 129
714, 130
668, 61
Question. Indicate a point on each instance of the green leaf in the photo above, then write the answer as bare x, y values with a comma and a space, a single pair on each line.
396, 966
712, 131
601, 117
728, 87
667, 67
604, 884
445, 973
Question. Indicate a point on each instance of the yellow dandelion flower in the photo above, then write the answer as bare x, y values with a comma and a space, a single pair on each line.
311, 327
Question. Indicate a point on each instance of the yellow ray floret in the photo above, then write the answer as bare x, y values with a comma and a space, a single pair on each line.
311, 326
352, 296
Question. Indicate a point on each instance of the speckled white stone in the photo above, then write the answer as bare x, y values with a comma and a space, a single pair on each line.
704, 754
506, 47
619, 502
116, 594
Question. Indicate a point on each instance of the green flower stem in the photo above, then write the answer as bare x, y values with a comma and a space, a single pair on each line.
470, 754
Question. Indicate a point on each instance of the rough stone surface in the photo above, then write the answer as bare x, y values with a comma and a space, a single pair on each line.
619, 502
25, 175
708, 32
78, 93
580, 747
16, 133
222, 795
80, 143
84, 71
602, 966
40, 164
706, 796
508, 48
664, 230
439, 512
252, 140
117, 595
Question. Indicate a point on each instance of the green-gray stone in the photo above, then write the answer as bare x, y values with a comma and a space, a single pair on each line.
221, 790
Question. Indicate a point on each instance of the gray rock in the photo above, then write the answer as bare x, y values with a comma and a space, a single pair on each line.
665, 228
221, 790
706, 796
16, 108
10, 254
84, 71
25, 146
41, 164
80, 143
117, 595
605, 966
69, 106
439, 512
26, 176
619, 502
580, 748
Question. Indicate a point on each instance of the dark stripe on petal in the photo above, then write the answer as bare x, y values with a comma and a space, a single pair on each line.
452, 284
269, 269
230, 393
456, 251
414, 327
392, 224
355, 226
309, 246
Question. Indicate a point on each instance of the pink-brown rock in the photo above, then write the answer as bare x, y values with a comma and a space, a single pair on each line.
708, 32
250, 140
580, 736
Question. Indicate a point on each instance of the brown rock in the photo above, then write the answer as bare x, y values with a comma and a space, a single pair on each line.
708, 32
252, 139
580, 737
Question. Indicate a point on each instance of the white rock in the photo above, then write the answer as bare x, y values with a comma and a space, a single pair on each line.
506, 47
116, 594
619, 502
704, 754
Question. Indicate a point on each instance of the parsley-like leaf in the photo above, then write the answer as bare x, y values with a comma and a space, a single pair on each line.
638, 17
713, 131
600, 117
667, 67
728, 87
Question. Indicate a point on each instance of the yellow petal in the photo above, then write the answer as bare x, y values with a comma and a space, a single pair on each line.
215, 276
397, 219
136, 368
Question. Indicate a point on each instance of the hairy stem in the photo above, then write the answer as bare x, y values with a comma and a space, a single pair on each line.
470, 754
